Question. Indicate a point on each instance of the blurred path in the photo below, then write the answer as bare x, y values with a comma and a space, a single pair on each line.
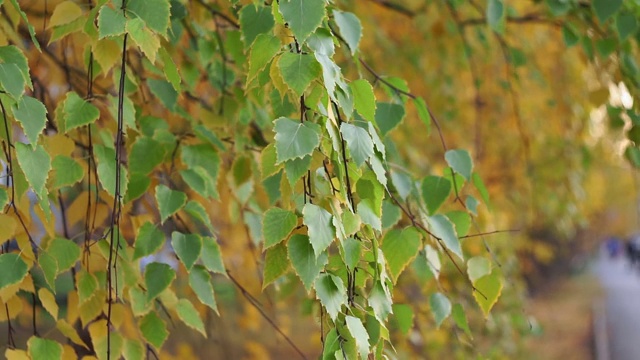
621, 284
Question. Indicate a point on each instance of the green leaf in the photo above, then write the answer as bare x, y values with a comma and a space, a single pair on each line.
305, 263
268, 160
111, 22
605, 8
255, 20
153, 329
13, 268
359, 142
265, 47
106, 157
496, 16
569, 35
478, 267
363, 99
380, 301
320, 227
45, 349
11, 54
461, 221
461, 319
359, 332
87, 285
297, 168
298, 71
479, 184
391, 214
489, 290
146, 153
303, 16
78, 112
170, 69
295, 139
626, 25
404, 316
155, 13
352, 250
277, 224
49, 266
440, 307
146, 40
212, 256
66, 171
200, 282
4, 197
472, 205
388, 116
400, 248
202, 174
32, 116
157, 278
350, 28
332, 294
133, 349
65, 252
188, 247
435, 190
276, 264
190, 316
198, 213
443, 229
149, 240
32, 31
460, 161
169, 201
423, 113
165, 92
11, 80
365, 210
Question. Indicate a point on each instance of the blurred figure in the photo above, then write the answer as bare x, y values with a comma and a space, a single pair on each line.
613, 246
633, 250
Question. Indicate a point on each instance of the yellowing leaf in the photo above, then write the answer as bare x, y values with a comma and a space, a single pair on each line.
489, 288
64, 13
7, 227
48, 301
70, 333
15, 354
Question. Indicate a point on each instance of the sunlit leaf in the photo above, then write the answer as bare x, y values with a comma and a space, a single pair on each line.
154, 13
489, 288
277, 225
331, 292
303, 16
443, 229
298, 70
359, 142
359, 332
295, 139
65, 252
78, 112
400, 248
45, 349
350, 28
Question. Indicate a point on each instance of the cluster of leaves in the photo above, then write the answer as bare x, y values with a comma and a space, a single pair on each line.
171, 107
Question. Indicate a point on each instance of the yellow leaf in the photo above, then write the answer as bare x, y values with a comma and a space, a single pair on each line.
72, 307
7, 227
15, 354
27, 285
26, 250
68, 353
70, 333
64, 13
48, 302
58, 144
106, 52
15, 308
49, 226
92, 308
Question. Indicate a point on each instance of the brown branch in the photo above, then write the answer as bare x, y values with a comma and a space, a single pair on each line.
532, 18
